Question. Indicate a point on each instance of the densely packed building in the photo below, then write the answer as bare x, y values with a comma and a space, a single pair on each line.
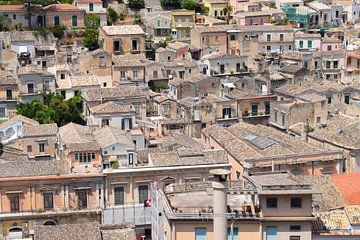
177, 120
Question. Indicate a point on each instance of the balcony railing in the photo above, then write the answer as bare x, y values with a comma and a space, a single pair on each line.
39, 212
136, 214
207, 216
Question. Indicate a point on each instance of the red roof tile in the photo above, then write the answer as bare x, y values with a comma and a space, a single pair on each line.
89, 1
349, 186
62, 7
8, 8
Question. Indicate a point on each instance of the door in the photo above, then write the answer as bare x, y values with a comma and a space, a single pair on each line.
119, 195
200, 233
271, 233
74, 21
56, 20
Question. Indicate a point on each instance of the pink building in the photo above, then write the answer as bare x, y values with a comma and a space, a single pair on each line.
330, 44
252, 18
244, 6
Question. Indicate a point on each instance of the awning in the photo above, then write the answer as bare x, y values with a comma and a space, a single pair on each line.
82, 188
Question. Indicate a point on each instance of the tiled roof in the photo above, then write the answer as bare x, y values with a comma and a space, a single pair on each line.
330, 197
62, 7
78, 138
84, 80
40, 130
18, 36
122, 30
333, 220
130, 60
118, 234
187, 156
16, 118
111, 107
33, 168
9, 8
177, 45
337, 54
96, 94
109, 135
180, 140
89, 1
348, 185
353, 213
83, 231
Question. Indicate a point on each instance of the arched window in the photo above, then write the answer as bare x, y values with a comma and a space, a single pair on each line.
15, 233
50, 223
56, 20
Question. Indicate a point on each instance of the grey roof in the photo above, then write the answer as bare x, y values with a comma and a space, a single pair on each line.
33, 168
180, 140
78, 138
122, 30
281, 183
188, 156
118, 234
96, 94
19, 36
40, 130
111, 107
108, 136
16, 118
82, 231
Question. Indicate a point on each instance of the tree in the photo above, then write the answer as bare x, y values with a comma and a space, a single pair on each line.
54, 110
57, 30
188, 4
92, 21
112, 15
170, 4
5, 23
91, 39
136, 4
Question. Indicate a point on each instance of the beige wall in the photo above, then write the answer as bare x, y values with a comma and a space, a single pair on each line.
284, 206
210, 39
283, 229
49, 146
125, 43
186, 230
66, 18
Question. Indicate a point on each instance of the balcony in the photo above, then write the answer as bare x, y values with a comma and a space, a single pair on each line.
184, 25
255, 114
136, 214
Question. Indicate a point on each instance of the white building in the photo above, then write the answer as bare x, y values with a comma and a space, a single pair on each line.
307, 42
216, 64
113, 115
95, 7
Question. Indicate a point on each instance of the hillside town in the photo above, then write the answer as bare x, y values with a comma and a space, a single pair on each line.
180, 120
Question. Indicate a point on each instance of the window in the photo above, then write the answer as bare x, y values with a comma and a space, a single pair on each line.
14, 203
347, 99
82, 199
336, 64
119, 194
232, 37
102, 62
271, 202
309, 43
295, 238
238, 67
9, 94
267, 108
181, 74
74, 21
329, 48
84, 157
135, 73
200, 233
234, 234
41, 147
91, 7
14, 16
116, 46
48, 200
122, 75
295, 202
62, 76
226, 113
283, 115
295, 228
271, 233
222, 68
318, 119
268, 48
268, 37
56, 20
143, 193
329, 100
281, 37
30, 87
104, 84
137, 109
158, 23
105, 122
134, 45
301, 43
155, 74
131, 158
275, 116
316, 65
254, 109
29, 148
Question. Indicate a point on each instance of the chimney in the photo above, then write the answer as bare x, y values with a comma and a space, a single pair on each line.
220, 187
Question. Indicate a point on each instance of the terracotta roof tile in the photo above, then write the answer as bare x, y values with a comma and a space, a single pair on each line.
348, 185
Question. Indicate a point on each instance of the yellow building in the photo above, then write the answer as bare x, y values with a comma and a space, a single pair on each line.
182, 22
216, 8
